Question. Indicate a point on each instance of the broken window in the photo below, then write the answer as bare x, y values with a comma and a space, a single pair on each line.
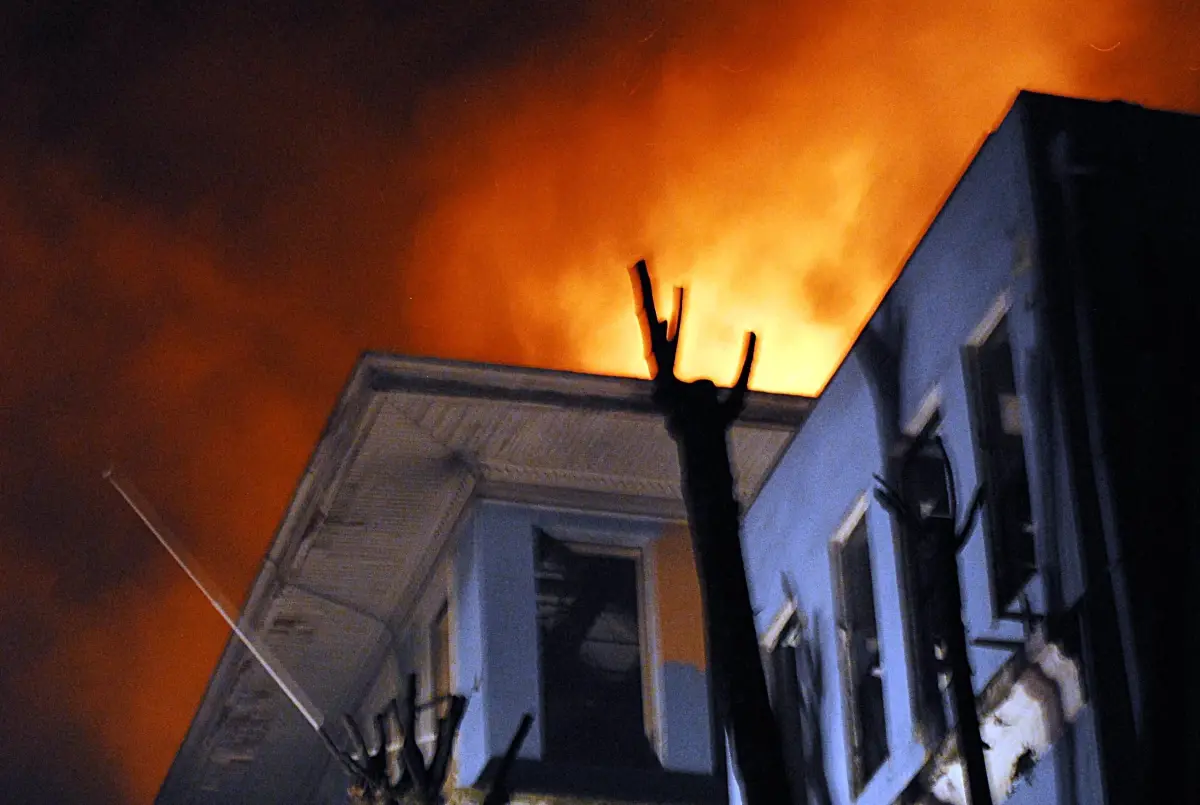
794, 710
922, 483
590, 629
862, 676
1008, 519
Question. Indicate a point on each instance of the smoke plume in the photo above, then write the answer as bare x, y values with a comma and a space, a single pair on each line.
207, 213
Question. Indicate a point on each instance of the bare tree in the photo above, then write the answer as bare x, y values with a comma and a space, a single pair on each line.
395, 771
698, 418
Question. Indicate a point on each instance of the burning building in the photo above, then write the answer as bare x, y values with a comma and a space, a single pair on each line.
518, 536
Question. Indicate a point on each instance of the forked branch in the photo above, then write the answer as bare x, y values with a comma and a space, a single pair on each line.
662, 347
698, 416
736, 401
662, 340
415, 779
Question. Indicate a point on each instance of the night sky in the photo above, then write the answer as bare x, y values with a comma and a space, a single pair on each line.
207, 214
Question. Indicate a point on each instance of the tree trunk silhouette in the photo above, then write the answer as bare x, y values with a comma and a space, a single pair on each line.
946, 538
698, 418
878, 353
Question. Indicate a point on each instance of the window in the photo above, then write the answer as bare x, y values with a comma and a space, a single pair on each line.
795, 707
435, 677
1000, 448
921, 478
589, 628
439, 656
436, 685
858, 648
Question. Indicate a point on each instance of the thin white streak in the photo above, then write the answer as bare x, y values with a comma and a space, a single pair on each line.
269, 663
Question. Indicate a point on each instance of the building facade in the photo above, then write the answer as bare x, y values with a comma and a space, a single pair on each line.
518, 536
1033, 332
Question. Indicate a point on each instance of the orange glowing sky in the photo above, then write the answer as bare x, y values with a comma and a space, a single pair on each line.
205, 218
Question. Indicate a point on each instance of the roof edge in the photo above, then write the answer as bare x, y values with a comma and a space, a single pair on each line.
387, 373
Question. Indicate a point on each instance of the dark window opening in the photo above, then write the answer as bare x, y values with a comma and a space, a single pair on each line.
922, 475
1008, 517
794, 703
589, 629
922, 480
862, 675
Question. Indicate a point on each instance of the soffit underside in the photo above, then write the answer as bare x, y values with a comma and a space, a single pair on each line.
390, 509
425, 457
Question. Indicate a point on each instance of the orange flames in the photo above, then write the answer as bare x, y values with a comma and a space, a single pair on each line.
778, 161
778, 164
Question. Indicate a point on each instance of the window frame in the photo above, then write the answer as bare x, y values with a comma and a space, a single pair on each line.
1005, 581
434, 604
786, 632
930, 727
580, 543
440, 618
859, 778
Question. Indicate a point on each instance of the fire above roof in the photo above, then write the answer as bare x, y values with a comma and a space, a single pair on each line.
410, 446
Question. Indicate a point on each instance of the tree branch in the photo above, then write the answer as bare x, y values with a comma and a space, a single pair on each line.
447, 730
662, 343
358, 749
498, 793
964, 531
735, 403
410, 752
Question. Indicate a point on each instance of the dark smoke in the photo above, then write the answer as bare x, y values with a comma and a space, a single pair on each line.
206, 213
